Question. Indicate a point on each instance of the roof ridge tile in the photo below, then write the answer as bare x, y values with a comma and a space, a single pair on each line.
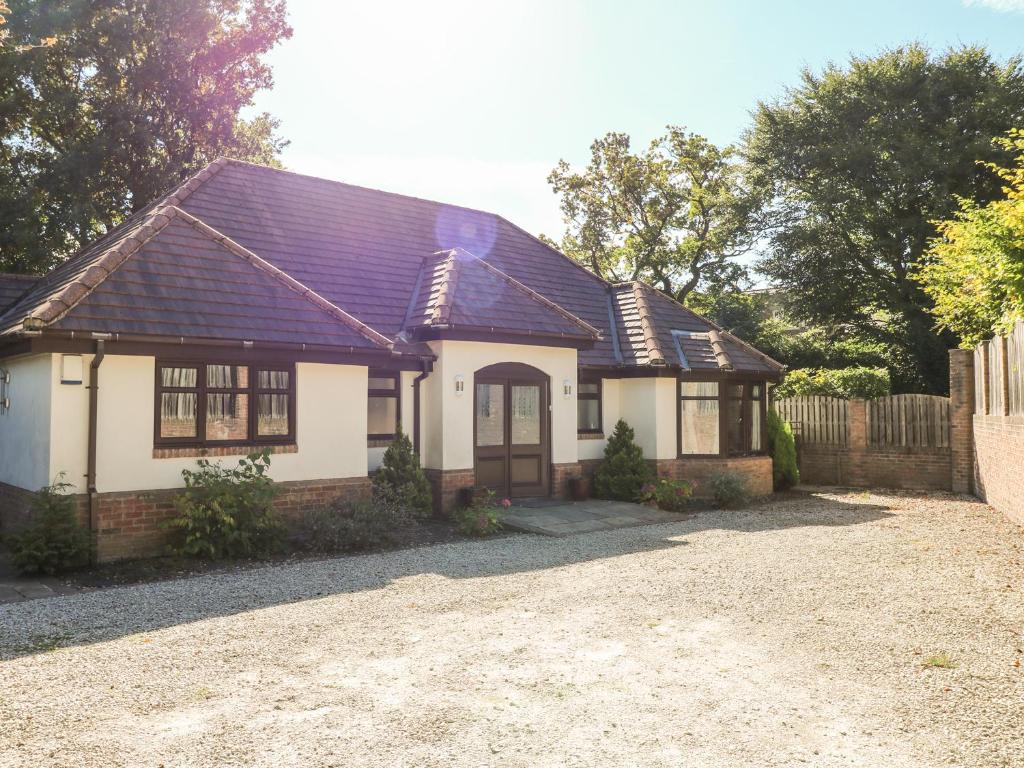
654, 354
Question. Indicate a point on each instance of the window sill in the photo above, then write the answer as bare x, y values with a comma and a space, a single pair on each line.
197, 451
590, 435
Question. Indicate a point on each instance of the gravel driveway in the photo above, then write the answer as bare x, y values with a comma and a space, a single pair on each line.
795, 633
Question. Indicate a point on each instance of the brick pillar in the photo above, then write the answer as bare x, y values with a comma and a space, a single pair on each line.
857, 426
961, 418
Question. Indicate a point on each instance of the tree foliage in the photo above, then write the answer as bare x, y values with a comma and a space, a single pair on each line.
974, 272
855, 382
674, 215
858, 162
127, 100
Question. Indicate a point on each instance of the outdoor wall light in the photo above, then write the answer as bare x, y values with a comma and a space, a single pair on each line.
460, 385
567, 388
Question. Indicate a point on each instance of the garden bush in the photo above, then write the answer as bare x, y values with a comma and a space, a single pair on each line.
854, 382
228, 513
730, 490
782, 447
54, 542
352, 526
669, 495
400, 481
623, 473
482, 517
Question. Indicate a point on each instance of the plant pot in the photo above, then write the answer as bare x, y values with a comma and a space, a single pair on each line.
579, 488
465, 496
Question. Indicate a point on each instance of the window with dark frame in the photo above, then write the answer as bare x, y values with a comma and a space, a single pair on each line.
588, 406
214, 404
721, 418
699, 418
384, 405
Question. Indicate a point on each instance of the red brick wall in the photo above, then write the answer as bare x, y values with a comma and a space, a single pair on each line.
832, 465
15, 506
446, 484
560, 474
999, 463
859, 465
756, 469
130, 524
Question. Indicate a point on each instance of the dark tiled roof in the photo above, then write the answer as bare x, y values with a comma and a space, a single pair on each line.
176, 277
458, 290
13, 286
677, 329
367, 255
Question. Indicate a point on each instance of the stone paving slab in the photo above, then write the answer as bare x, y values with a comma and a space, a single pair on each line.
584, 517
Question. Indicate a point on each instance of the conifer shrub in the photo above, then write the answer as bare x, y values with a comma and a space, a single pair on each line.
623, 473
400, 482
782, 447
55, 541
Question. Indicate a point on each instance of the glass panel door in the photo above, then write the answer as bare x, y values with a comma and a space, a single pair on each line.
525, 414
490, 414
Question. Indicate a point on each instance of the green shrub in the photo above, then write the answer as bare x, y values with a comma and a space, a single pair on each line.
730, 490
669, 495
855, 382
352, 526
782, 447
54, 542
228, 513
400, 481
482, 517
623, 473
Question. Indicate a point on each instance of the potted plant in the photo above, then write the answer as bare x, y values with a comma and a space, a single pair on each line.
579, 488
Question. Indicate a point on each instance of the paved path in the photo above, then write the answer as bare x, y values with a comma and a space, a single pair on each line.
15, 588
564, 519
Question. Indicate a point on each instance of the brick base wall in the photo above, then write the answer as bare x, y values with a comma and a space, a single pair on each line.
130, 524
15, 508
560, 475
999, 462
834, 465
756, 469
446, 484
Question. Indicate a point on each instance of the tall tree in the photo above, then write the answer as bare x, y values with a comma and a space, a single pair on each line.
674, 215
128, 98
859, 161
975, 268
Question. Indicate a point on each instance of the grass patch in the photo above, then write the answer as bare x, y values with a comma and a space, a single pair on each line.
940, 661
44, 643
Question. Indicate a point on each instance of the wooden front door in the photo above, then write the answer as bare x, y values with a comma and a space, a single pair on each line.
510, 424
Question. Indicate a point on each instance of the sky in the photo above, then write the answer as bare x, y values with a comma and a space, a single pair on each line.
473, 102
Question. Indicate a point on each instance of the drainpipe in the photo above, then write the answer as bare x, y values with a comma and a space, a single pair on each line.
94, 385
416, 406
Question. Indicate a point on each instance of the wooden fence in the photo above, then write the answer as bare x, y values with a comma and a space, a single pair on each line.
908, 421
999, 374
817, 420
896, 421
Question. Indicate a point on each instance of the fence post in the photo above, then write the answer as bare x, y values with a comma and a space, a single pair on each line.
961, 418
857, 424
